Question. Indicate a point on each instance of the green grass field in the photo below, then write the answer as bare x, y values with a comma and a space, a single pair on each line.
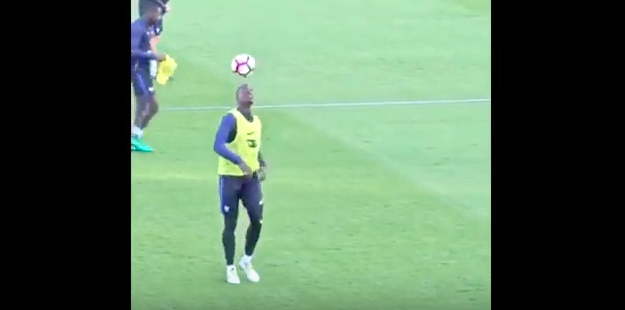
373, 207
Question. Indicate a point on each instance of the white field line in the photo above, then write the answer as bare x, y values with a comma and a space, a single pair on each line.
336, 104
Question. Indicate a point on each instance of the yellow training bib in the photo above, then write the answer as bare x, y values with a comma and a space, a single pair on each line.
246, 144
166, 69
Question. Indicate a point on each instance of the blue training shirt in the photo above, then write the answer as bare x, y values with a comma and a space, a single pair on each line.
140, 35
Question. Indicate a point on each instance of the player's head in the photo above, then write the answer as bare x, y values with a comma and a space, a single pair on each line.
152, 13
244, 95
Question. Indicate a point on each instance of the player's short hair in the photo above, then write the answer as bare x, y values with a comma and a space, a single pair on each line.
157, 8
147, 6
242, 87
152, 7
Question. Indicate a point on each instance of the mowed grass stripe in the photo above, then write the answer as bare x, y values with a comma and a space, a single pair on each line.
385, 53
334, 105
442, 149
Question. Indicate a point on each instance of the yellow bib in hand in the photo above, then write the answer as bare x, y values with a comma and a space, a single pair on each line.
166, 69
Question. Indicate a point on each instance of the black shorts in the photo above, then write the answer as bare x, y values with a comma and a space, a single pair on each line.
142, 81
233, 189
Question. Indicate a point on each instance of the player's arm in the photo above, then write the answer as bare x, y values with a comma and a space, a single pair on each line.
261, 160
262, 172
226, 126
153, 41
136, 34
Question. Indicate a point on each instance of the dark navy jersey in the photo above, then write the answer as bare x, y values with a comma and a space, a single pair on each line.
140, 49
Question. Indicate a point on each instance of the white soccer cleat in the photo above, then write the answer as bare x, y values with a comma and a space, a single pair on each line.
231, 275
247, 267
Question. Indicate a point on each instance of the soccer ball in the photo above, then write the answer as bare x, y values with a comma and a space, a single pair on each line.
243, 65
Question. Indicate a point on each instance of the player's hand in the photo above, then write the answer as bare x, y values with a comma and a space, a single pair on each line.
167, 8
262, 173
246, 169
160, 56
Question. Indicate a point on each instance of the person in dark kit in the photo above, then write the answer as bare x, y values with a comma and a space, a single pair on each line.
141, 32
144, 6
241, 169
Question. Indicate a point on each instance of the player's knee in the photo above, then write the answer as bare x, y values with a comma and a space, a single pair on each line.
152, 107
227, 233
229, 230
256, 220
230, 225
256, 217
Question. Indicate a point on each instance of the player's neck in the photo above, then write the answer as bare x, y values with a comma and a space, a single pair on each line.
243, 109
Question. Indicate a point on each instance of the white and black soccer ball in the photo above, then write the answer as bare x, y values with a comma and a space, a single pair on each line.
243, 65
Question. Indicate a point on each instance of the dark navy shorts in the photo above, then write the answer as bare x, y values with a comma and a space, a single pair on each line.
233, 189
142, 81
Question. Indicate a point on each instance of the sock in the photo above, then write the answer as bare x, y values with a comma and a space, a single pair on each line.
136, 131
229, 267
246, 259
252, 236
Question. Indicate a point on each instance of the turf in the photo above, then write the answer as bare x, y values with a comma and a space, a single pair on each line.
382, 206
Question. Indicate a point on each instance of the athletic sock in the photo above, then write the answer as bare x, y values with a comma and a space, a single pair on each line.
246, 259
136, 131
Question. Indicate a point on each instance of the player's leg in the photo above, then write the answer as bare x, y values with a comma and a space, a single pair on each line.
229, 189
144, 98
146, 104
141, 92
151, 107
253, 202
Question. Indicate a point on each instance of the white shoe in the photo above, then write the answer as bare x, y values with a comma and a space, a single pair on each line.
231, 275
247, 267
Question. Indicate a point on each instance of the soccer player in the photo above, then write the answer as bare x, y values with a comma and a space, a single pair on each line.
141, 33
144, 5
241, 168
